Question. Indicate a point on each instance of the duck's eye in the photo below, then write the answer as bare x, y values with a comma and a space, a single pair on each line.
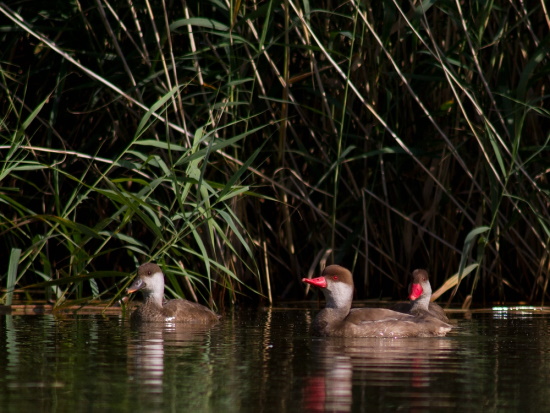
334, 277
148, 272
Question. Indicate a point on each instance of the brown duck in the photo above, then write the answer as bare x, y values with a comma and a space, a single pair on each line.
150, 281
420, 293
338, 319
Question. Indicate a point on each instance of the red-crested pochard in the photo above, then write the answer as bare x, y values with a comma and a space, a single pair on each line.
337, 319
150, 281
420, 292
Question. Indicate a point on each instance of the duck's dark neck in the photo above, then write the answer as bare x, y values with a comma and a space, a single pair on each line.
329, 319
153, 299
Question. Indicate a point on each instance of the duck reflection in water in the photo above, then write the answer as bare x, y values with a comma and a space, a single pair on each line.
164, 329
155, 352
377, 370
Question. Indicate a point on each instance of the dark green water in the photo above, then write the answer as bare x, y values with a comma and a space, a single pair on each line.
266, 361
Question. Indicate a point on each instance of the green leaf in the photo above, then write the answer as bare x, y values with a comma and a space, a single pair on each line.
236, 176
161, 145
199, 22
13, 264
75, 226
468, 244
142, 127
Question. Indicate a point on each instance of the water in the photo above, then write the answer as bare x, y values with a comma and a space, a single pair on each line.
266, 361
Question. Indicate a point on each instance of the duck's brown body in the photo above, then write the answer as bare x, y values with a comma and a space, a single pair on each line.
434, 310
337, 319
150, 280
376, 322
420, 293
180, 311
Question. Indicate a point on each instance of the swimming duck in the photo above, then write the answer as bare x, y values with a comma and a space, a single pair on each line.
338, 319
150, 281
420, 292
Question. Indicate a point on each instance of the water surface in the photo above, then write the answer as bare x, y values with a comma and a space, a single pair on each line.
266, 361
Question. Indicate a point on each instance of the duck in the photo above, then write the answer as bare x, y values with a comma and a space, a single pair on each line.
420, 293
338, 319
150, 281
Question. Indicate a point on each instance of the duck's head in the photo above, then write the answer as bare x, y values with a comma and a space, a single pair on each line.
336, 283
420, 285
149, 280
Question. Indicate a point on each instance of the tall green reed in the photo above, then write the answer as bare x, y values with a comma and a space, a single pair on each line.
401, 132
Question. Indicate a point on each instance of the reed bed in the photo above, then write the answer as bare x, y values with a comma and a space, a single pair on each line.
243, 145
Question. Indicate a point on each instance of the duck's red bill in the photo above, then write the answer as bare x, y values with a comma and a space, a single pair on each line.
320, 282
416, 291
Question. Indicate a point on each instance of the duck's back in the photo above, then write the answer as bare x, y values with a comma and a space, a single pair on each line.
175, 311
380, 322
434, 310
